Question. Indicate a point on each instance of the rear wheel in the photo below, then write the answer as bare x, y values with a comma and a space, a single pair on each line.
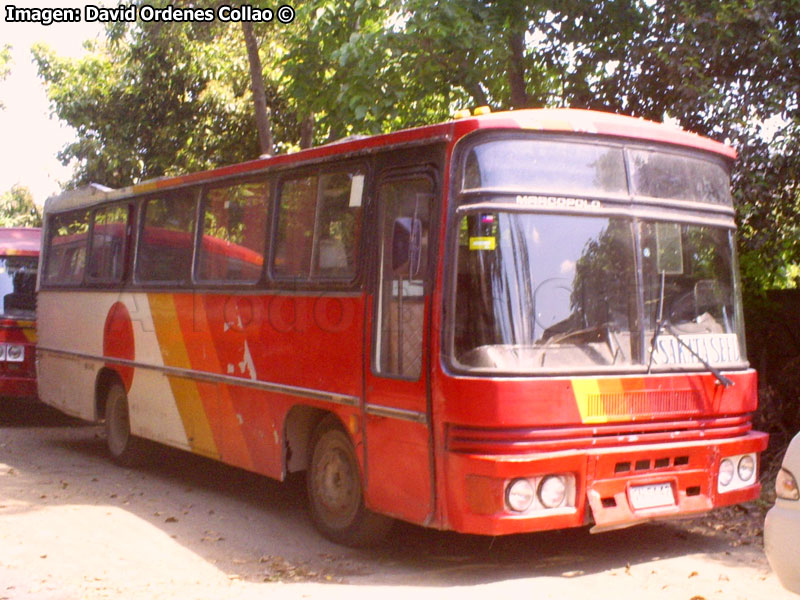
126, 449
335, 490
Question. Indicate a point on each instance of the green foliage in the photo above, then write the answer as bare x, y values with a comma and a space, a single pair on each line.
160, 98
17, 208
156, 99
5, 61
5, 65
725, 68
388, 63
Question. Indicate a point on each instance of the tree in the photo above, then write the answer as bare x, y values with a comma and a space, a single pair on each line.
161, 98
726, 68
157, 99
17, 208
257, 85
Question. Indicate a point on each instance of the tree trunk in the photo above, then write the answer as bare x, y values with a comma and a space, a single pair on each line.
516, 71
307, 132
257, 86
478, 95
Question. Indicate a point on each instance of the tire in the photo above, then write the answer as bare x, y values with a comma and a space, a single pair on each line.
126, 450
335, 491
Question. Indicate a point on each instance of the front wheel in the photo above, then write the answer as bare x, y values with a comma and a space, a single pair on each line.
125, 449
335, 492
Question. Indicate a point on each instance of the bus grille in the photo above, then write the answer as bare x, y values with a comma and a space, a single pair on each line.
656, 403
517, 440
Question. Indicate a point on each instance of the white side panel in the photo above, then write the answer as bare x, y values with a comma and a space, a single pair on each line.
74, 322
67, 384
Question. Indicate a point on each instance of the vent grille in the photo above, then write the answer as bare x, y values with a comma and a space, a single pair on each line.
655, 403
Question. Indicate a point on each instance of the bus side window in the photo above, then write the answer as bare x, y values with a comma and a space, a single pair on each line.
294, 242
319, 226
338, 225
167, 238
234, 224
109, 243
66, 248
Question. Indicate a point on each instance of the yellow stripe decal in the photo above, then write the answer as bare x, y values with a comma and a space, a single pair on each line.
583, 390
185, 392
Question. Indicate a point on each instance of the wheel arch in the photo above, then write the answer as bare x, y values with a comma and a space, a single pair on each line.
298, 429
105, 378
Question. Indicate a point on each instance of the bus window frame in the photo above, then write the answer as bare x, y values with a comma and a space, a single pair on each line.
311, 283
130, 224
47, 282
469, 141
636, 208
263, 279
422, 171
186, 283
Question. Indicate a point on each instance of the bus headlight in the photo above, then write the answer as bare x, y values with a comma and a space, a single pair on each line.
726, 472
519, 495
15, 353
746, 467
552, 491
737, 472
537, 494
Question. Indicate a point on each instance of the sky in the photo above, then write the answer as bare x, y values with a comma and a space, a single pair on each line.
30, 138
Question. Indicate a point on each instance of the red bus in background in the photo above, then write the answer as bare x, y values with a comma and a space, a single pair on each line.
19, 259
498, 324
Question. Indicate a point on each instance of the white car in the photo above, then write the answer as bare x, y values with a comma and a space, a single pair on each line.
782, 526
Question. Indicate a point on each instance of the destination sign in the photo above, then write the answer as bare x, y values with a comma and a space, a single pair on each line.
717, 348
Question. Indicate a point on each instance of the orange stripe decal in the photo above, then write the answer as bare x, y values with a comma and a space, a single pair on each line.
203, 355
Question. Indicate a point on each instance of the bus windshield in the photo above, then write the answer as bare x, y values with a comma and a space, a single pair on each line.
18, 286
545, 292
569, 167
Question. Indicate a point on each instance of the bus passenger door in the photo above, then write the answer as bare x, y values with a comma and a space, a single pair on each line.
397, 437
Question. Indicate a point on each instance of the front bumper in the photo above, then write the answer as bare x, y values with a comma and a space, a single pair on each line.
475, 496
18, 387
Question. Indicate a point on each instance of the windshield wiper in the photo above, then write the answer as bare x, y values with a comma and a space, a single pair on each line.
659, 323
662, 323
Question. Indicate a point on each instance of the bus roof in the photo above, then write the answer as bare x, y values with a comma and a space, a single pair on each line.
20, 241
560, 120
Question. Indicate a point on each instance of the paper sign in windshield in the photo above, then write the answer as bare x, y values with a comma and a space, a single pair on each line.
482, 243
715, 348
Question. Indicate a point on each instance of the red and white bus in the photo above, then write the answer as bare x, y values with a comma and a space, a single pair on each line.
503, 323
19, 259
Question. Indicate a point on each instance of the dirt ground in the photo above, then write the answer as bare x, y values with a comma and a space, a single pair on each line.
75, 526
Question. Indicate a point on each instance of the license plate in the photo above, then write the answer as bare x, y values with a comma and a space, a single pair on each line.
652, 496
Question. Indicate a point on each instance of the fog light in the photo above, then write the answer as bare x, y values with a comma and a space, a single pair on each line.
726, 471
552, 491
746, 468
519, 495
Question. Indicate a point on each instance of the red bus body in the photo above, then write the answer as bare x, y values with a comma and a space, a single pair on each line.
245, 373
18, 323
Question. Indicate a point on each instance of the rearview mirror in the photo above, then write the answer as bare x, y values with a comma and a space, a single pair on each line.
406, 247
669, 248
